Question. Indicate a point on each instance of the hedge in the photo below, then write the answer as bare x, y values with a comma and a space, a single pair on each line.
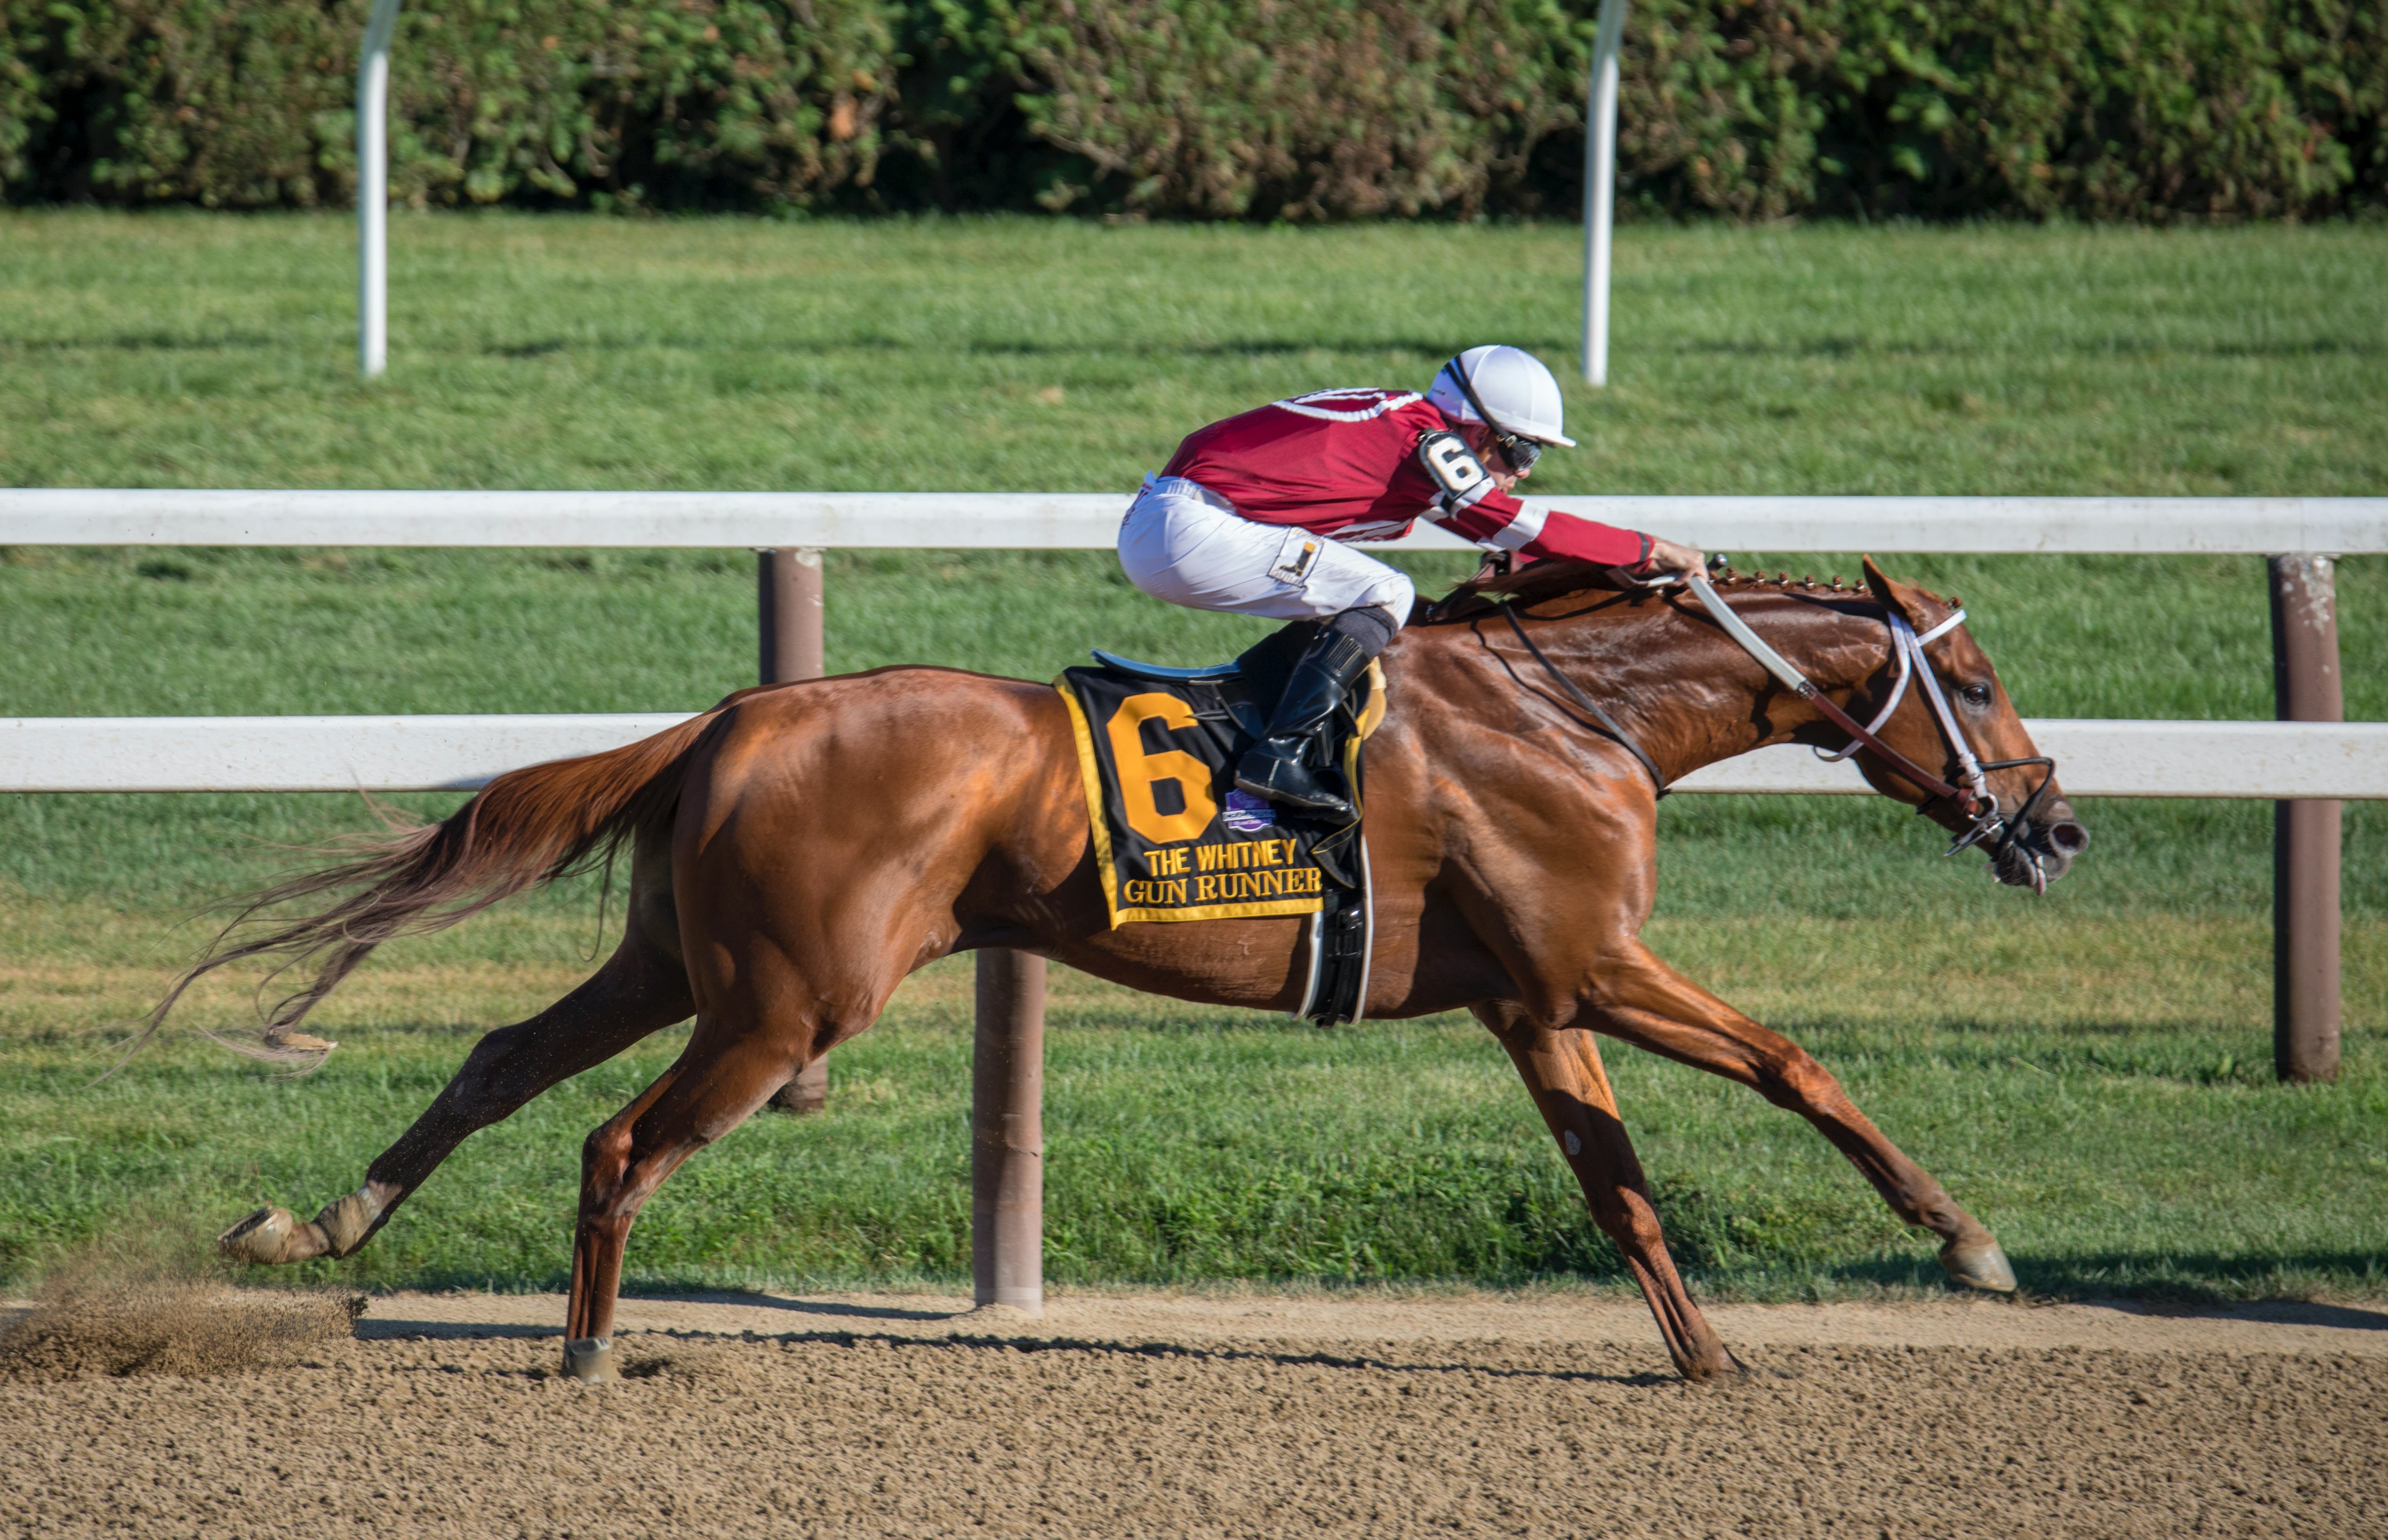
1214, 108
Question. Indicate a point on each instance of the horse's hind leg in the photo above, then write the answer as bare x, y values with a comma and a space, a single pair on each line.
641, 990
1563, 1072
729, 1068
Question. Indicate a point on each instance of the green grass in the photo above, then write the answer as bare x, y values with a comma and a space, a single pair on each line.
197, 351
2088, 1071
2114, 1121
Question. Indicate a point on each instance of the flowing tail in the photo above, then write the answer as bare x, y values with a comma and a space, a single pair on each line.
527, 827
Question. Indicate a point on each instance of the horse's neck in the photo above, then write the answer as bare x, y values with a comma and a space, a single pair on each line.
1687, 692
1711, 700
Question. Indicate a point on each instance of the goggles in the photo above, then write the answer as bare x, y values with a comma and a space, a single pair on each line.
1521, 453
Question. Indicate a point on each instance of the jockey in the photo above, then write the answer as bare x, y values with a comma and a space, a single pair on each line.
1250, 515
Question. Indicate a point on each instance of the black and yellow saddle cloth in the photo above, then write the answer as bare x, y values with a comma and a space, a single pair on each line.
1174, 837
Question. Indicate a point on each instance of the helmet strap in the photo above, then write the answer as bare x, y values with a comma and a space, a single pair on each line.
1457, 369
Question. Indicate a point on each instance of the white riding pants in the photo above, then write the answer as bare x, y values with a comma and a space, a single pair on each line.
1184, 543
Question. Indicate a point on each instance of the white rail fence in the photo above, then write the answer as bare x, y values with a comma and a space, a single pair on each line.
2272, 760
2265, 760
2305, 766
954, 521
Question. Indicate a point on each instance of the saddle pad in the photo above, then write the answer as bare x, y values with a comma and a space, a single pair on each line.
1174, 838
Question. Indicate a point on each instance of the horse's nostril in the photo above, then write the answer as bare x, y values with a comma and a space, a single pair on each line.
2069, 838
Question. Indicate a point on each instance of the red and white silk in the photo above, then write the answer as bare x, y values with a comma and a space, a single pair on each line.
1344, 463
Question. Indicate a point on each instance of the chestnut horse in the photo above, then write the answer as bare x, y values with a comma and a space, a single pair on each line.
800, 849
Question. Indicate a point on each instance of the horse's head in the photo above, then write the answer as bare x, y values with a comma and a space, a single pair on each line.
2031, 835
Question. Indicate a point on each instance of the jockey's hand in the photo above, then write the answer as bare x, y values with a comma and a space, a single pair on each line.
1670, 559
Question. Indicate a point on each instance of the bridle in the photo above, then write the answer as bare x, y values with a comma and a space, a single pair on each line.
1973, 797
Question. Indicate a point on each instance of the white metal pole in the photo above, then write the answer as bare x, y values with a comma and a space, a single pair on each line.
1600, 187
373, 190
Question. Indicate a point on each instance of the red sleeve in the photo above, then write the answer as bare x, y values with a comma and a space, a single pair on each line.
1496, 519
1581, 540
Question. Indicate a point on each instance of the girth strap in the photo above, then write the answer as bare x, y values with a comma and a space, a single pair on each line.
1607, 723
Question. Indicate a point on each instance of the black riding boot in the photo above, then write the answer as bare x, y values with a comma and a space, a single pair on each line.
1275, 767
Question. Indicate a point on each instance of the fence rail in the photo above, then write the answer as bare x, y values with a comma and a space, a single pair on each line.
2266, 760
2075, 525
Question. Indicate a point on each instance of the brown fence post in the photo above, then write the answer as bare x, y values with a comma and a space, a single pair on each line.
788, 602
2306, 687
1008, 1133
788, 605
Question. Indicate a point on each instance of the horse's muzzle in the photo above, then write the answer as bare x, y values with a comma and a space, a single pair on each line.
2043, 847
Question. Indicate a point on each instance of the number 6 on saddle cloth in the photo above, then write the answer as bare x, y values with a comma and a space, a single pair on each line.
1176, 839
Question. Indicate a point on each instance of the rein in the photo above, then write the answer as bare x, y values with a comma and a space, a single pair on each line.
1905, 644
1978, 802
1607, 723
1975, 797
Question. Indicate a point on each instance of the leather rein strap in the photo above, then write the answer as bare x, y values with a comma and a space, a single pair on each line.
1980, 803
1607, 723
1972, 801
1975, 797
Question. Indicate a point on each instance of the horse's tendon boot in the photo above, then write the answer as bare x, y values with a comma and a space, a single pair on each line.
590, 1359
347, 1222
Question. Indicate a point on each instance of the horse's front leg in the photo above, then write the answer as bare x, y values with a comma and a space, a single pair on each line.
1642, 1001
1562, 1072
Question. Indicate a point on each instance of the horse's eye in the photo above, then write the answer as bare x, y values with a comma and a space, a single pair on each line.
1977, 694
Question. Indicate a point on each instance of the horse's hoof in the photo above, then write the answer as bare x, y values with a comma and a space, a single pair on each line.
1722, 1369
262, 1237
1979, 1266
590, 1359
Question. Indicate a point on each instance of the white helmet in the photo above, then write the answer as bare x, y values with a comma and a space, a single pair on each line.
1507, 386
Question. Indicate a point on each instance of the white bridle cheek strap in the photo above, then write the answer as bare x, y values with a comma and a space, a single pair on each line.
1913, 645
1907, 649
1900, 655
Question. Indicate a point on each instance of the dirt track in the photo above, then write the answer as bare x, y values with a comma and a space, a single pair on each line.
1168, 1416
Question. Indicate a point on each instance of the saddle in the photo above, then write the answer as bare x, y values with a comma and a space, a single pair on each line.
1177, 840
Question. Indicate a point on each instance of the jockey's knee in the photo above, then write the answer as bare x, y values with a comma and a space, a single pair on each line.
1373, 624
1395, 594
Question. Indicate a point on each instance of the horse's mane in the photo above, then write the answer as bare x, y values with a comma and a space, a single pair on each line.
1561, 579
1530, 584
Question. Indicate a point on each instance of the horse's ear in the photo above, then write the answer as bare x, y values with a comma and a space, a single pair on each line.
1896, 596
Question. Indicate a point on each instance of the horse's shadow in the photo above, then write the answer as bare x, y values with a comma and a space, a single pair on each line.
371, 1328
387, 1329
